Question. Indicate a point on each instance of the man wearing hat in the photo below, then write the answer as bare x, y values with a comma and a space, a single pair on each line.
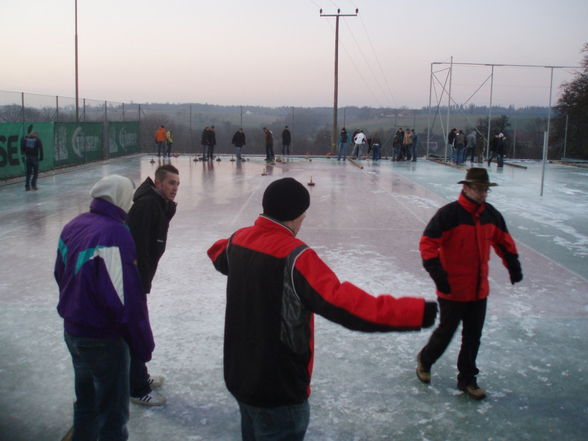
455, 248
275, 284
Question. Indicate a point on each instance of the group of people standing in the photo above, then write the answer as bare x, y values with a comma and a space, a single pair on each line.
275, 284
404, 145
464, 146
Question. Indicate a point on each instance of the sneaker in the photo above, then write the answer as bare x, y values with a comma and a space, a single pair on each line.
155, 381
472, 389
151, 399
423, 373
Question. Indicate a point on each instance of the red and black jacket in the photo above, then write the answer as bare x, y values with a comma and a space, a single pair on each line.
275, 284
456, 246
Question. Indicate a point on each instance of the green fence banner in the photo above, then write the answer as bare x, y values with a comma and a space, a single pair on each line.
12, 161
123, 138
78, 142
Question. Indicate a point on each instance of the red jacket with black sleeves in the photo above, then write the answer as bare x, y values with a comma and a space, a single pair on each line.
455, 248
275, 284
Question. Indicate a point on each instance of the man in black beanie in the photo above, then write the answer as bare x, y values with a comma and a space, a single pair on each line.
275, 284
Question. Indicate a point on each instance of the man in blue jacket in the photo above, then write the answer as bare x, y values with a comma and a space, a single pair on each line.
104, 308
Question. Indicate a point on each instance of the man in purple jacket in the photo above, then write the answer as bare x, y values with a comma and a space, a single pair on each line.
104, 308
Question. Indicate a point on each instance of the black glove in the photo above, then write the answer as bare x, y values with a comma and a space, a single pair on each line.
514, 270
430, 314
516, 275
439, 276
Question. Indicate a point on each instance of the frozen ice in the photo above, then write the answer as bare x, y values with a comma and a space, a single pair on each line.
366, 225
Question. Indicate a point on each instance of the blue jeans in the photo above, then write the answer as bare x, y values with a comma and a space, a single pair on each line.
282, 423
376, 152
161, 148
32, 165
285, 149
238, 153
101, 368
342, 151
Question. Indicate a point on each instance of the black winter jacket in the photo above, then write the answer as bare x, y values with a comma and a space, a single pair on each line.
148, 221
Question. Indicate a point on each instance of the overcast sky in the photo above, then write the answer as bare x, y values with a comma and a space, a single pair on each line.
281, 52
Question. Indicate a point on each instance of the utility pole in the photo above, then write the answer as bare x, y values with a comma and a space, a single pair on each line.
337, 15
77, 94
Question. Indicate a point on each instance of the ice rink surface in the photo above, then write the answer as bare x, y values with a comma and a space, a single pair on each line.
366, 224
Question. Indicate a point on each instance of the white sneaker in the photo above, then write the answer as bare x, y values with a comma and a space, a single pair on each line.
151, 399
155, 381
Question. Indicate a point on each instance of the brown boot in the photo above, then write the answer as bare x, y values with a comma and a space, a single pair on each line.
423, 373
472, 389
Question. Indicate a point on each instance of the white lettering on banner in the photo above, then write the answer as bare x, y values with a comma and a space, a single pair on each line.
82, 143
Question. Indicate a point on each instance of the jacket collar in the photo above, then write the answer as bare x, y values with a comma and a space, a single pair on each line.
267, 222
469, 205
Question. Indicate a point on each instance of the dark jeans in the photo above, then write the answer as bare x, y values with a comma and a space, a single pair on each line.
32, 165
169, 147
161, 148
101, 368
499, 159
269, 152
138, 378
285, 149
283, 423
472, 315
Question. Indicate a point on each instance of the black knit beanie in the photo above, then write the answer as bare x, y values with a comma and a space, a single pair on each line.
285, 199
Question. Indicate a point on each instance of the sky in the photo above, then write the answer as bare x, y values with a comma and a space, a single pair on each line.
281, 53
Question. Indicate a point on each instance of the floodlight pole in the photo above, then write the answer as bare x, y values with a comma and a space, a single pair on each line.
490, 113
336, 92
76, 58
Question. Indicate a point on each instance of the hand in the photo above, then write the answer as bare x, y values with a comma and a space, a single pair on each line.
516, 275
443, 285
429, 314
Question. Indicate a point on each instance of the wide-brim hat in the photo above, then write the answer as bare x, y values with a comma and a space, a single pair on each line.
478, 175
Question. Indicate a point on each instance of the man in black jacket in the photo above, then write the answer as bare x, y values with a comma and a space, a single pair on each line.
149, 217
32, 149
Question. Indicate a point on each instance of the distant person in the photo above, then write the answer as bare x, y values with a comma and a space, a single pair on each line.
455, 248
269, 145
359, 141
203, 141
459, 147
275, 283
211, 142
471, 143
406, 144
397, 144
238, 141
161, 140
343, 140
497, 147
148, 220
286, 140
376, 149
415, 141
169, 138
104, 309
32, 149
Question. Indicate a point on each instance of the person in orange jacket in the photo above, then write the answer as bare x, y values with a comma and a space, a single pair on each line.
161, 140
455, 248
